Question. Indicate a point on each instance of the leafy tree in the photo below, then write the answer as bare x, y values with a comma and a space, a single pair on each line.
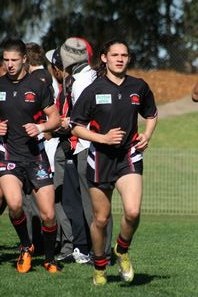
161, 33
191, 32
17, 16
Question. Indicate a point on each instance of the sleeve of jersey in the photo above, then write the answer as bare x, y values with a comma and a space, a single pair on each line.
47, 97
82, 111
148, 107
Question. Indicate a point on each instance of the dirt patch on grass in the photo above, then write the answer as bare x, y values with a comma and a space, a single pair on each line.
167, 85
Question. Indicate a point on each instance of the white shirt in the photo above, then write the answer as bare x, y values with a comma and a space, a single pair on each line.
82, 80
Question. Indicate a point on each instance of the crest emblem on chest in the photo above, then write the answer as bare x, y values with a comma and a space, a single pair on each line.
135, 99
30, 97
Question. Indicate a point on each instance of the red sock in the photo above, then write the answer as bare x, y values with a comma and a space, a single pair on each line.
100, 263
123, 245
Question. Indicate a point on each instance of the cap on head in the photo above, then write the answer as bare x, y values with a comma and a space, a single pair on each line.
73, 51
54, 58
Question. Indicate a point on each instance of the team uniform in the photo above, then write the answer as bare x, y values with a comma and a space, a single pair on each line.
83, 79
20, 154
119, 106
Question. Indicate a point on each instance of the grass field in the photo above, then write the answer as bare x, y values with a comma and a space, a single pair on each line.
164, 254
176, 132
164, 251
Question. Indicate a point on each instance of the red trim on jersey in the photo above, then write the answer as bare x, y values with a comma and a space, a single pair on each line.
38, 117
94, 126
135, 136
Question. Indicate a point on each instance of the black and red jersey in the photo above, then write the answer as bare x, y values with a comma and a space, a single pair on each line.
20, 102
106, 105
44, 75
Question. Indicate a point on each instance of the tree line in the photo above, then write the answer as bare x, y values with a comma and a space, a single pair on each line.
161, 33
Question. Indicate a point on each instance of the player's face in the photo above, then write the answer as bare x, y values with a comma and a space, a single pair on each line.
14, 63
116, 59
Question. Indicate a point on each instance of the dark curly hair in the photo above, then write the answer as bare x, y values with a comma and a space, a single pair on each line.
100, 67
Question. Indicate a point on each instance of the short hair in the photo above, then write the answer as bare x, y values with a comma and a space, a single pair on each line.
35, 54
12, 44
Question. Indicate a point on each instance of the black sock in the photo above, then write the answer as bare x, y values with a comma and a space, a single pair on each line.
49, 238
20, 225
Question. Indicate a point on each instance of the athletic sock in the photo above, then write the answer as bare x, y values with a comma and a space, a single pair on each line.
49, 238
123, 245
20, 225
100, 263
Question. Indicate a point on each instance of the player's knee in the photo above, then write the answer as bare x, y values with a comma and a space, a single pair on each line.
15, 209
48, 217
101, 221
132, 215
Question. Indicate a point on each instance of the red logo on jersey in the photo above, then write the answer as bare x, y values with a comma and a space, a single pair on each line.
30, 97
135, 99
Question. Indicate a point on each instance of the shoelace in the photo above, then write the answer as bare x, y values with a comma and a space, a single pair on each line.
125, 261
23, 251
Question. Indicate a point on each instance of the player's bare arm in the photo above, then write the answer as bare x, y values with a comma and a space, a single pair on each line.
52, 123
144, 137
195, 93
113, 136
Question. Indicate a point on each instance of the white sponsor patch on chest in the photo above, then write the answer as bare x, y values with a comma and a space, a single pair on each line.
2, 96
103, 99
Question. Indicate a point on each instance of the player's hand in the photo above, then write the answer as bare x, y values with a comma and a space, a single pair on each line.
142, 143
32, 129
3, 127
114, 136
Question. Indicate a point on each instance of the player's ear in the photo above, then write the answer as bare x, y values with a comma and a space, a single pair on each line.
24, 59
103, 58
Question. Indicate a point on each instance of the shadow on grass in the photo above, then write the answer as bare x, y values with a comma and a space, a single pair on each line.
9, 247
8, 257
139, 279
39, 261
8, 253
11, 254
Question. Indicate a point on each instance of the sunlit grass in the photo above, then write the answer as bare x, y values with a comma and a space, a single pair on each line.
163, 252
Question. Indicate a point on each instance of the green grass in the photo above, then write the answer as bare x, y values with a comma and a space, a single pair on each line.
164, 251
164, 254
176, 132
170, 167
